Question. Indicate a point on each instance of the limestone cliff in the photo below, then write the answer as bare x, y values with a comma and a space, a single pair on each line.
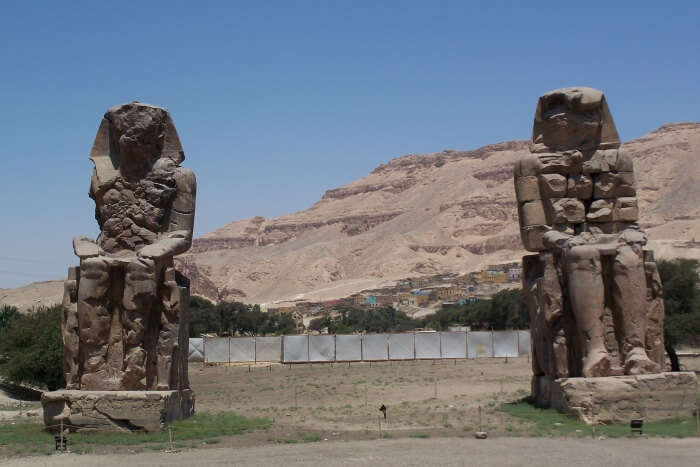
451, 211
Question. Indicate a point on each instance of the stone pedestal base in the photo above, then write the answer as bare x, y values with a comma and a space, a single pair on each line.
619, 399
116, 410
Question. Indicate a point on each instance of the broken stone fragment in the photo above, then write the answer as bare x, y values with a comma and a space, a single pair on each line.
532, 213
625, 184
601, 161
601, 210
565, 162
552, 186
605, 185
532, 237
565, 211
579, 186
527, 189
624, 162
626, 209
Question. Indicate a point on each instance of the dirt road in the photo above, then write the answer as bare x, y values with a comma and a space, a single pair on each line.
528, 452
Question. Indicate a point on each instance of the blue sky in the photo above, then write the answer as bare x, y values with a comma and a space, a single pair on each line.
276, 102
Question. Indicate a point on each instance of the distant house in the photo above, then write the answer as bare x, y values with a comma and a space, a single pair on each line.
421, 297
494, 274
514, 274
450, 293
385, 300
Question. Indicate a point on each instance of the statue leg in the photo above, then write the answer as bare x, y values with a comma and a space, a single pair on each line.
69, 330
167, 344
94, 319
140, 294
655, 312
587, 294
630, 299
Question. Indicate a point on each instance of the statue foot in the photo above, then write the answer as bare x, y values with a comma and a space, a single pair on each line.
597, 363
638, 363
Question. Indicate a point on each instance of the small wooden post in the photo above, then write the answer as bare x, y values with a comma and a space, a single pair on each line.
170, 438
379, 420
295, 397
436, 382
480, 427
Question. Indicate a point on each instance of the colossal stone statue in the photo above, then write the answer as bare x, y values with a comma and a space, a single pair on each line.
593, 291
125, 307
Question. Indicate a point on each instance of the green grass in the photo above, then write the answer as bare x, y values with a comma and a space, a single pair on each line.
549, 422
287, 441
419, 435
202, 426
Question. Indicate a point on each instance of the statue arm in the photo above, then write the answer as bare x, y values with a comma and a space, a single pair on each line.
178, 238
85, 247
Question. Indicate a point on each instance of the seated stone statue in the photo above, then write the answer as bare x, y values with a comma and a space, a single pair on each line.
593, 292
125, 325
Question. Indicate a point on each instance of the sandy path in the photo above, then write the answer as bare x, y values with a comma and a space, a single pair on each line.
413, 452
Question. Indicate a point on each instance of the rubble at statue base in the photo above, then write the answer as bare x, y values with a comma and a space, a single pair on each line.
124, 326
592, 289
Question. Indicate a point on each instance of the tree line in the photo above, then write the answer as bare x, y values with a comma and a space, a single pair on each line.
31, 349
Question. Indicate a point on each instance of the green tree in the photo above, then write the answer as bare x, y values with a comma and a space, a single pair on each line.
505, 310
682, 305
7, 313
204, 317
33, 349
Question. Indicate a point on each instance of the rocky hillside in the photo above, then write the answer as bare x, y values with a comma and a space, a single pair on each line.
452, 211
424, 214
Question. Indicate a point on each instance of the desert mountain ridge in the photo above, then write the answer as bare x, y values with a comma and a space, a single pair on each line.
446, 212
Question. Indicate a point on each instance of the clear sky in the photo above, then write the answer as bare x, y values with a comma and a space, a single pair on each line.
276, 102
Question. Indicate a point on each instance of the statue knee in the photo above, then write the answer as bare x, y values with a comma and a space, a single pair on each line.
94, 279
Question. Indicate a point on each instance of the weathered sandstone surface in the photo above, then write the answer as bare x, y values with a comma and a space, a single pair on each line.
619, 399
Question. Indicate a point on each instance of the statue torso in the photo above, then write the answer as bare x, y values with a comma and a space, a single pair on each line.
133, 212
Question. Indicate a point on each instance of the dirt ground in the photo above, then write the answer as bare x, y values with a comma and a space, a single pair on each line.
528, 452
341, 399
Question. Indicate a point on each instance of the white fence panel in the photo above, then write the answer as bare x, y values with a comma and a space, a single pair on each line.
427, 345
296, 349
242, 349
321, 348
374, 347
454, 344
479, 344
348, 348
523, 342
195, 352
505, 344
401, 346
216, 349
268, 349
